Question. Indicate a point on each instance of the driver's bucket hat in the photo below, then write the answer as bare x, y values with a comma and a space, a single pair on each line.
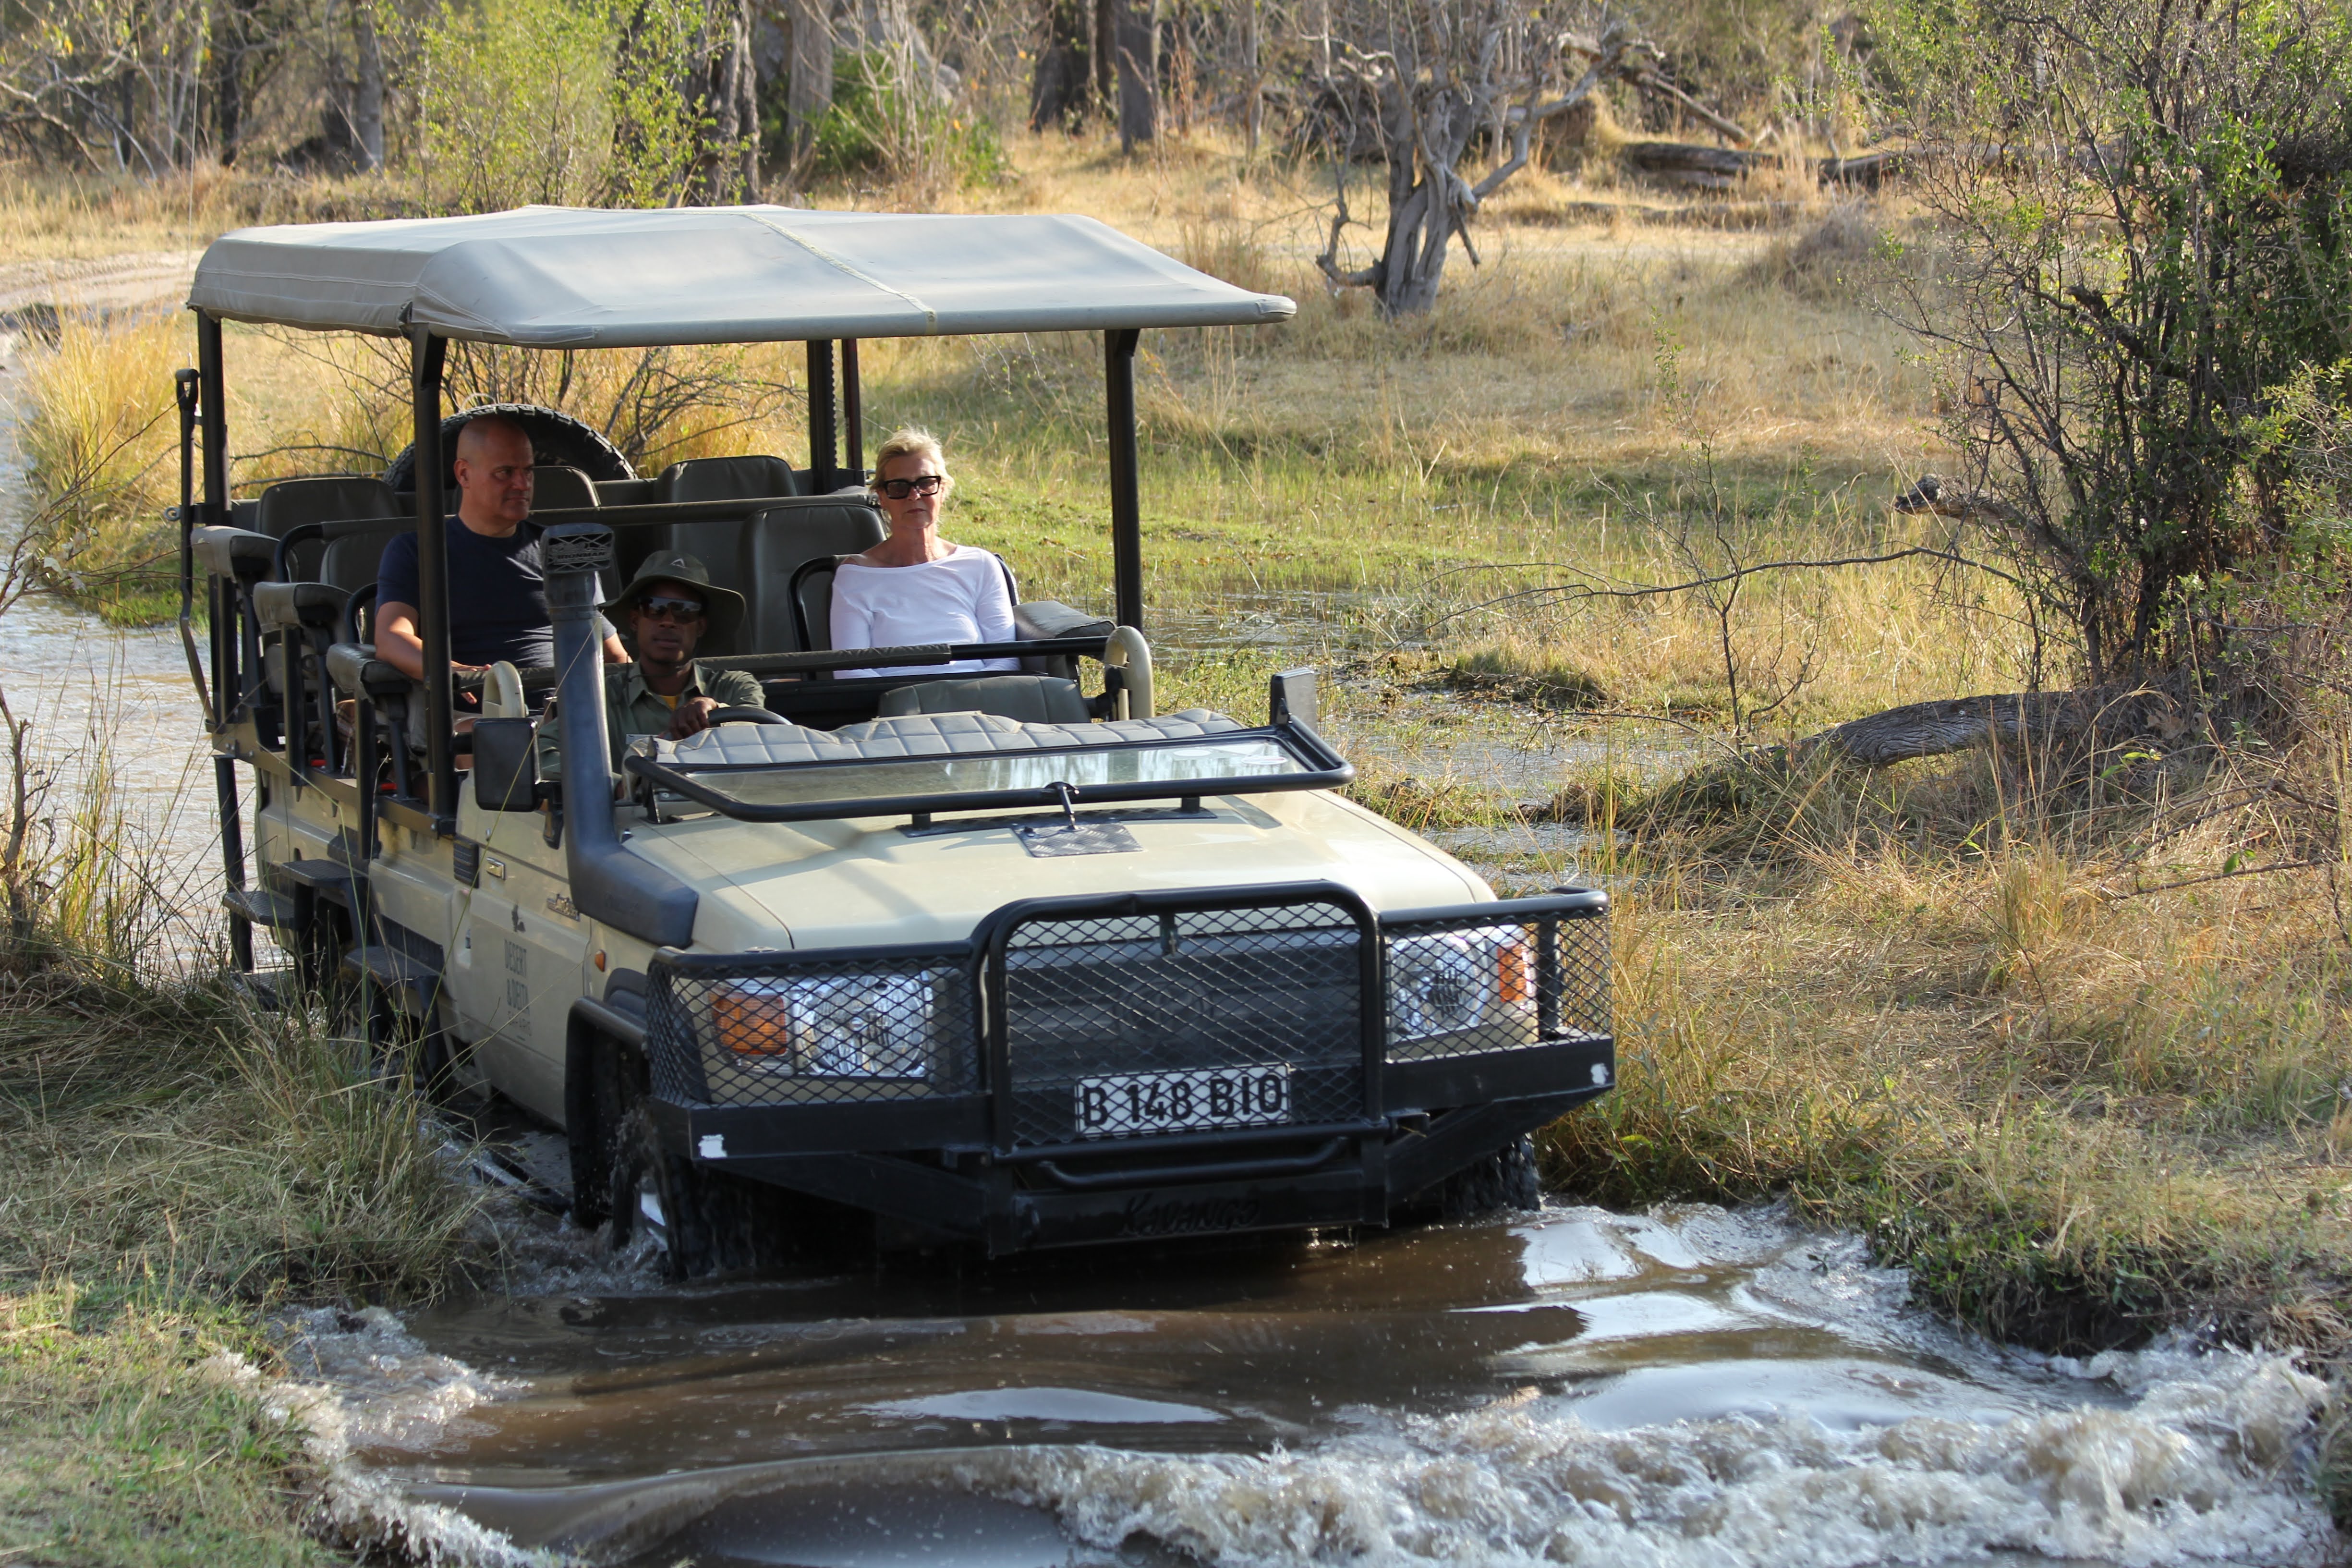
723, 606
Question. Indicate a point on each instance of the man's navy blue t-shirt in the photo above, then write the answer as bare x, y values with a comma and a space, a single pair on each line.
497, 600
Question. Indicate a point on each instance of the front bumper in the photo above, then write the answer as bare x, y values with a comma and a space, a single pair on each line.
946, 1086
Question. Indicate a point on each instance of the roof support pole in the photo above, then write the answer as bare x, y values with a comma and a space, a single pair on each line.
1126, 504
823, 453
212, 397
228, 684
427, 353
853, 414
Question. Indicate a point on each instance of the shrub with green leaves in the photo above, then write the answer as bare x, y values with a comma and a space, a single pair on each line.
2141, 211
576, 102
887, 124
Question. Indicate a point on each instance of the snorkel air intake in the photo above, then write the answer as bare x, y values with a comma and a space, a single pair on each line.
608, 882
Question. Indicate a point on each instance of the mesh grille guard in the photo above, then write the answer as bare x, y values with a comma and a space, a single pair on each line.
1098, 1019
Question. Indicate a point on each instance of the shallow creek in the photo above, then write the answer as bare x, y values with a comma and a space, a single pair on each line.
1691, 1387
1576, 1386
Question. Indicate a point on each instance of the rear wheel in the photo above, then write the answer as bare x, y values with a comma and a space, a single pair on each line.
1505, 1178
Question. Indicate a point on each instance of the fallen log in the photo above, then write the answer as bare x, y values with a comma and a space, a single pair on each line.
2017, 719
1697, 165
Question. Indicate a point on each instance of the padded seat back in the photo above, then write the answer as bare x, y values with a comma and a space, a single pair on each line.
718, 542
1025, 698
780, 540
351, 561
730, 478
291, 501
559, 486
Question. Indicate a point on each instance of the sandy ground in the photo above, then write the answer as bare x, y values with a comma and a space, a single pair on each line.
110, 283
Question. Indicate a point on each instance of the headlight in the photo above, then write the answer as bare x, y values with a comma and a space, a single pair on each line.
1455, 981
840, 1026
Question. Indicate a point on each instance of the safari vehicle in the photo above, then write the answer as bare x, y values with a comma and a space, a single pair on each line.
1018, 960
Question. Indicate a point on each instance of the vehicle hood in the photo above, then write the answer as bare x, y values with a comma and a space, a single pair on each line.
874, 883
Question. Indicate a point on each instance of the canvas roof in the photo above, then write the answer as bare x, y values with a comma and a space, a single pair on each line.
583, 278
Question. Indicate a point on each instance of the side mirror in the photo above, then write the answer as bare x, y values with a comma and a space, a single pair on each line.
1291, 699
506, 765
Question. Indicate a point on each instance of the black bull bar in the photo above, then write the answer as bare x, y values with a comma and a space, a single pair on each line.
1094, 1067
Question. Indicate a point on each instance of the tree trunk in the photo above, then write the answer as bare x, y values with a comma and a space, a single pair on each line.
367, 94
1253, 83
229, 41
729, 102
1425, 203
810, 93
1138, 72
1062, 87
1107, 54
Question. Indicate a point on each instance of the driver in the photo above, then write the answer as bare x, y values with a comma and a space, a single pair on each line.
667, 609
497, 601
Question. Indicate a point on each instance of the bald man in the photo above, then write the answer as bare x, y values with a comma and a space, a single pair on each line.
497, 601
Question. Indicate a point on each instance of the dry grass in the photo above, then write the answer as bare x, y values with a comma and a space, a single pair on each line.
166, 1135
101, 437
1953, 1010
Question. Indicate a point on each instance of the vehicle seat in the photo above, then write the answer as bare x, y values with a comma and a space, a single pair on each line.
779, 543
1026, 699
291, 501
298, 623
553, 488
718, 542
352, 562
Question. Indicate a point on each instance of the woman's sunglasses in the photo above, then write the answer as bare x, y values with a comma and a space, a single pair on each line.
921, 485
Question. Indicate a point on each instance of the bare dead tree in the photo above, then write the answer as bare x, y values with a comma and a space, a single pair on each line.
1432, 82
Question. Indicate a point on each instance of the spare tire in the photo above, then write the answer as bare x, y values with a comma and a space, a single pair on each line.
557, 441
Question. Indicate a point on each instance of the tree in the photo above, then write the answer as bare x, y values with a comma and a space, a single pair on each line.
1430, 81
1135, 46
808, 92
1061, 88
2143, 233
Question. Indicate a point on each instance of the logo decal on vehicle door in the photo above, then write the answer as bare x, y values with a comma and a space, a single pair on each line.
518, 985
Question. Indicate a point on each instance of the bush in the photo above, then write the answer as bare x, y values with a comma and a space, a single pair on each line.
513, 105
882, 123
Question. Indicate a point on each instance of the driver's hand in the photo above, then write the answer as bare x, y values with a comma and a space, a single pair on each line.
692, 716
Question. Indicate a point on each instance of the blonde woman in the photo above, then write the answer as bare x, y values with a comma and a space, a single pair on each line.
916, 587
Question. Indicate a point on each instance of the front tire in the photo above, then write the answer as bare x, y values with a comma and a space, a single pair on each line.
1505, 1178
659, 1194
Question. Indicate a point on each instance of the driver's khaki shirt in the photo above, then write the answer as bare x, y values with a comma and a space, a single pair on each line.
633, 708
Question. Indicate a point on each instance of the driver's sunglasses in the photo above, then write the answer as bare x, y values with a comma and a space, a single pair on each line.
921, 485
662, 607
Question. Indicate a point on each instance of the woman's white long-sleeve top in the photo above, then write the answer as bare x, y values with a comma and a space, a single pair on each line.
961, 597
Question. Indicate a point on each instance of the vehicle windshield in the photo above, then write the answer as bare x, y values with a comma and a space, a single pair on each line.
1193, 764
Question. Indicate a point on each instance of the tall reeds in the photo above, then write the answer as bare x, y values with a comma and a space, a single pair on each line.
98, 438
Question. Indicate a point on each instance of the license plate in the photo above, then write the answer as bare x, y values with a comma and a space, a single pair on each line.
1176, 1101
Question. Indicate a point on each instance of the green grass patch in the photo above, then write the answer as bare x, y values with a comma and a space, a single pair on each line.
123, 1440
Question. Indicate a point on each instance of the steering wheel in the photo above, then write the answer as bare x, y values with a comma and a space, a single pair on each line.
746, 716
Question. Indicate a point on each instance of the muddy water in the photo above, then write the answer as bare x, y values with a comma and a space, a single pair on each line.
1577, 1386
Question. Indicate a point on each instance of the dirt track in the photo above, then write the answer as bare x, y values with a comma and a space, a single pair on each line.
112, 282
